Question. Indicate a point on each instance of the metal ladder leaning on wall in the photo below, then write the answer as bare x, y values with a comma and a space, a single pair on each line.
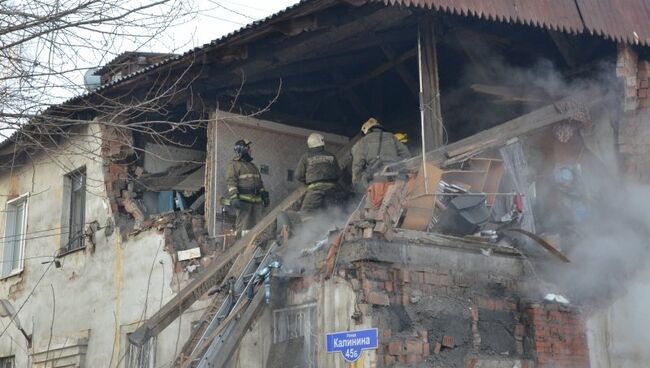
221, 329
227, 265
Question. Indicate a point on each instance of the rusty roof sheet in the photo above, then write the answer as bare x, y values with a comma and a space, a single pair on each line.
559, 15
625, 21
619, 20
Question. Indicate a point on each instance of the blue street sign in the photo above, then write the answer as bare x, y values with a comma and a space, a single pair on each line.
351, 343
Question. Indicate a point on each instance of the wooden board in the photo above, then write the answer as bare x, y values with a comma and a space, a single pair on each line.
419, 203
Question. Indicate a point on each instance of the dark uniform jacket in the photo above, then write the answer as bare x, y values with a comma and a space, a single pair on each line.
243, 179
375, 149
318, 165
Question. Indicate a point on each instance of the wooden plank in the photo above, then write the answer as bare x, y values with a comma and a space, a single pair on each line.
383, 68
412, 236
230, 263
565, 47
402, 70
498, 135
350, 95
186, 362
512, 94
430, 88
210, 277
308, 43
419, 204
234, 338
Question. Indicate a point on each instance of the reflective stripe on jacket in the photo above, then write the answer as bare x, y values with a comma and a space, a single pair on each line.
243, 178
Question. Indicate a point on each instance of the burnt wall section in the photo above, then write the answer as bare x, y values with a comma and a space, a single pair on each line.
431, 316
452, 308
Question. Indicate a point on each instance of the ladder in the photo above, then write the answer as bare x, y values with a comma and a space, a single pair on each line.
222, 324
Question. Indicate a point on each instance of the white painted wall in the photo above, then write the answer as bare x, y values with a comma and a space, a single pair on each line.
276, 145
105, 292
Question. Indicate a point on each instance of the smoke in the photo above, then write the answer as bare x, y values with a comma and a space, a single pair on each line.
497, 88
311, 237
604, 228
608, 249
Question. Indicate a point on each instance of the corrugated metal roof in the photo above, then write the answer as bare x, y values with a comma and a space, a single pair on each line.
606, 18
559, 15
620, 20
625, 21
253, 26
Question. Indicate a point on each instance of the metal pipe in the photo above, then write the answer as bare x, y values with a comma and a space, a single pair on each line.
424, 150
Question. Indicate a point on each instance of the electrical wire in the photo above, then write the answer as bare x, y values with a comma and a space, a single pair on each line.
31, 292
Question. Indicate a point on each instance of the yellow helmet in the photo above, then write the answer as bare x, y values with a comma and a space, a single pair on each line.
369, 124
402, 137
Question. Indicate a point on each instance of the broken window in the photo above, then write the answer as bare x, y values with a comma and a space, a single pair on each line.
76, 188
14, 238
7, 362
293, 333
141, 357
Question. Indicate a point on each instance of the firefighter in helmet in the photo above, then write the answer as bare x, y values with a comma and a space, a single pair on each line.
245, 188
320, 171
377, 148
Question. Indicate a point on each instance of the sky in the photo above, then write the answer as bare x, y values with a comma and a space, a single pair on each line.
211, 19
218, 17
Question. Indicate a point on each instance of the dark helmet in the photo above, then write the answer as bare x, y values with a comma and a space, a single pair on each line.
242, 147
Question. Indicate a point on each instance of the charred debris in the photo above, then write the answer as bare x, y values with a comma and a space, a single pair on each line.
510, 119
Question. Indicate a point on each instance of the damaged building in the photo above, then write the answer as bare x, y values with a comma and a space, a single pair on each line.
506, 241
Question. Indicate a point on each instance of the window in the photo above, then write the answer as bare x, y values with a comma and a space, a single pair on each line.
140, 357
14, 237
290, 175
76, 189
297, 322
7, 362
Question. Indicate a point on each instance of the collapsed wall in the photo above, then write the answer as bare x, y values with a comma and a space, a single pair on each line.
434, 306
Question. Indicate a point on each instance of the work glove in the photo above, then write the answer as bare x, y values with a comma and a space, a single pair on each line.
266, 201
235, 203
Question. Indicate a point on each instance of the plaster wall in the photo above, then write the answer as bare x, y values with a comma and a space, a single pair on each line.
276, 146
335, 302
98, 294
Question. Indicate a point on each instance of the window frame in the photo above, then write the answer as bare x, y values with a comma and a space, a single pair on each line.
25, 199
8, 359
68, 210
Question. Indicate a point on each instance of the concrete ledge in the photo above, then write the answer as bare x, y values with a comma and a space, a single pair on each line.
462, 257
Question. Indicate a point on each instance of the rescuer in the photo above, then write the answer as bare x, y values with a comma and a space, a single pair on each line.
245, 188
320, 171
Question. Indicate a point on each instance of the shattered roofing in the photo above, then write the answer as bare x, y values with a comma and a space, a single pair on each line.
619, 20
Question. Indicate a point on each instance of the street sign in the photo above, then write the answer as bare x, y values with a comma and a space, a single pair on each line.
351, 343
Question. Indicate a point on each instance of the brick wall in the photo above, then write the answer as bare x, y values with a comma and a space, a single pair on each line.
557, 336
498, 328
